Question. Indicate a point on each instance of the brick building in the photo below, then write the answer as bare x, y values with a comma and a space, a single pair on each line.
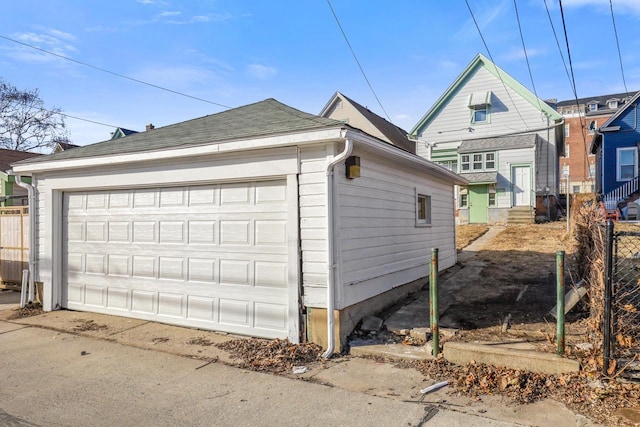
582, 119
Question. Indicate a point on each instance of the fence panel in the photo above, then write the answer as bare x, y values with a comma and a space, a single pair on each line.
14, 246
625, 297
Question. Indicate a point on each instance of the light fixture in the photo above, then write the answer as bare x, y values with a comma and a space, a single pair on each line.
352, 167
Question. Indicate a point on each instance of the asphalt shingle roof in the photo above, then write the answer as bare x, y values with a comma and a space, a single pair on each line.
264, 118
498, 143
396, 135
7, 157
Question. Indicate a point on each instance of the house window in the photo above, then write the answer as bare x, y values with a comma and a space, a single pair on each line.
480, 114
612, 103
464, 162
576, 189
566, 151
592, 126
477, 162
592, 170
593, 106
464, 200
565, 171
452, 165
490, 161
480, 105
423, 209
627, 164
492, 199
566, 130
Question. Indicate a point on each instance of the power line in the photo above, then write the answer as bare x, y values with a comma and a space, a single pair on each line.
571, 83
615, 31
575, 92
526, 56
491, 57
113, 73
356, 58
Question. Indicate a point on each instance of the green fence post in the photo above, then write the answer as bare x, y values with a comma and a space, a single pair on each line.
433, 301
560, 302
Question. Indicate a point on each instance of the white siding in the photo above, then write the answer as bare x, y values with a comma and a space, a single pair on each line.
380, 245
510, 113
506, 159
313, 222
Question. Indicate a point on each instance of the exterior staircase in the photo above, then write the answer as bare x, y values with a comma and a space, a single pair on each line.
521, 215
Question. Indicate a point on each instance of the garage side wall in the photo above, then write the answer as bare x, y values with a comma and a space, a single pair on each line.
382, 246
313, 222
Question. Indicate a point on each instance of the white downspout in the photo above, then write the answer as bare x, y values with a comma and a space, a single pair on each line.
32, 234
348, 148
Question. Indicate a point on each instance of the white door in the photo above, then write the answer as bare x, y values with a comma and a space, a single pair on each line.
213, 257
521, 185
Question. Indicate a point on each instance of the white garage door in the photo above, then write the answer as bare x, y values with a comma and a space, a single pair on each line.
213, 257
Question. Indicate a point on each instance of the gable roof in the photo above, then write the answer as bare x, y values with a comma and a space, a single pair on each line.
261, 119
395, 134
122, 132
597, 137
480, 61
7, 157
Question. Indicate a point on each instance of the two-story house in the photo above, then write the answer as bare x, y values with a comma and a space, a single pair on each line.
581, 119
499, 136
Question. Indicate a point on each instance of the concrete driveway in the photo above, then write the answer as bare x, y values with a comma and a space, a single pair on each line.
55, 370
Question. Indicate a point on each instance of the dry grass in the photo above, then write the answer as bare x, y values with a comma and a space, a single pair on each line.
466, 234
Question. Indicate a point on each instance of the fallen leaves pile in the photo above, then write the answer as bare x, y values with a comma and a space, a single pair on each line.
28, 311
275, 356
582, 392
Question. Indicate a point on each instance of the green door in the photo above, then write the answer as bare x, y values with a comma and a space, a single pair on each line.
478, 203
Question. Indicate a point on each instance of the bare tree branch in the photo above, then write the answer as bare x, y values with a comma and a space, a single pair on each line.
25, 124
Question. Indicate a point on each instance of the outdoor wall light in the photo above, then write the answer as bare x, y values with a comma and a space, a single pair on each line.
352, 167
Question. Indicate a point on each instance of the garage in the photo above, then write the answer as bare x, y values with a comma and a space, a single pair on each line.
210, 256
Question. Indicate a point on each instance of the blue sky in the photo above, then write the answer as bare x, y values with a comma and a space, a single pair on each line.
236, 52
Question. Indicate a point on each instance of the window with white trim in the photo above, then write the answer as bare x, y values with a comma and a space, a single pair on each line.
478, 162
480, 114
566, 151
465, 163
464, 200
423, 209
567, 128
593, 106
626, 163
565, 171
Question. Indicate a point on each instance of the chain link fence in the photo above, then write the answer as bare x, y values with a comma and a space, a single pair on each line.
622, 299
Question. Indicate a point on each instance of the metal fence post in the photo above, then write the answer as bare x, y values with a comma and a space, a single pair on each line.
433, 301
608, 279
560, 301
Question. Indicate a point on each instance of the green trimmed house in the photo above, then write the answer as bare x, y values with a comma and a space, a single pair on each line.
10, 193
499, 136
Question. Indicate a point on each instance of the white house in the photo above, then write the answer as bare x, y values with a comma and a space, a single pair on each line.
243, 221
501, 137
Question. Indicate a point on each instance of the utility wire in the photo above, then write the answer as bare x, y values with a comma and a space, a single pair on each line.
113, 73
573, 88
346, 39
615, 31
575, 92
526, 56
491, 57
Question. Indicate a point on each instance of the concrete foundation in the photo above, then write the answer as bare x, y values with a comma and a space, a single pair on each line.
347, 318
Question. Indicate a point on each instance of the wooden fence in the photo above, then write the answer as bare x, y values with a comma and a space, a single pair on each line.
14, 244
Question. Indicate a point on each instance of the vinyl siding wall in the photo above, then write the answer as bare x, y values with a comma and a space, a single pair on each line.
510, 113
380, 246
627, 136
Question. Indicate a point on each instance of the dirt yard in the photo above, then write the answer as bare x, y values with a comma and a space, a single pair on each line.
517, 281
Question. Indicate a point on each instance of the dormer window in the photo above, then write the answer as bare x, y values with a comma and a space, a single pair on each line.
612, 103
593, 106
480, 106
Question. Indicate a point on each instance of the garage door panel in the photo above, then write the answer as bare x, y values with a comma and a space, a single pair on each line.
213, 256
